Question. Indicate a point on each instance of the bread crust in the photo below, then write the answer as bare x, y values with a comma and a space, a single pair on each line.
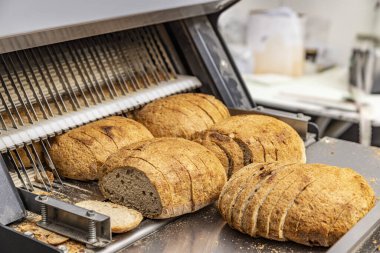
79, 153
193, 175
260, 139
130, 220
312, 204
181, 115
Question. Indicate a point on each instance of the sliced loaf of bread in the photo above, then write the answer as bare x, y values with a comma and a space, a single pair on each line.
253, 138
312, 204
163, 177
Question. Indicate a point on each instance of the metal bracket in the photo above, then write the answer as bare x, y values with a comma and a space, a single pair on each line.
77, 223
298, 121
11, 207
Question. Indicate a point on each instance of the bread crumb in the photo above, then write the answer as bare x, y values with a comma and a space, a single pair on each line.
260, 247
374, 241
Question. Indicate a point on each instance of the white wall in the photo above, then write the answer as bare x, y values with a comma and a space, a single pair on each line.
347, 18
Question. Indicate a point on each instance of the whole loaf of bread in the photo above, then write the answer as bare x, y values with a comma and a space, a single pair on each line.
240, 140
163, 177
79, 153
182, 115
311, 204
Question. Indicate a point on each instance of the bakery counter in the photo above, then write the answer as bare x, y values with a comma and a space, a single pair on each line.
206, 231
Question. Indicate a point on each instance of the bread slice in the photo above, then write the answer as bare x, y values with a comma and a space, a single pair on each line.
220, 107
200, 163
260, 139
263, 220
107, 143
205, 105
255, 197
141, 187
122, 130
199, 108
165, 118
181, 115
197, 172
273, 198
224, 200
165, 121
231, 147
171, 170
123, 219
293, 186
220, 152
236, 207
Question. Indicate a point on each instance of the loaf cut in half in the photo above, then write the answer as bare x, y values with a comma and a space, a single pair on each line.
79, 153
123, 219
163, 177
182, 115
244, 139
311, 204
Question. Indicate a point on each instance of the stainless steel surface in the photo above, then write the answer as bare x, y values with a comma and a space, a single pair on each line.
75, 222
146, 228
298, 121
11, 207
205, 231
43, 22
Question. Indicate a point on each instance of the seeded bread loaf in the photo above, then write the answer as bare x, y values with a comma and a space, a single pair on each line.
311, 204
163, 177
182, 115
79, 153
246, 139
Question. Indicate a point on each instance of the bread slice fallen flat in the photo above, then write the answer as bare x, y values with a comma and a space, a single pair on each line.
123, 219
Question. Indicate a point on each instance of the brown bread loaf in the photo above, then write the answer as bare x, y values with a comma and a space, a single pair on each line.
24, 156
182, 115
247, 139
79, 153
312, 204
163, 177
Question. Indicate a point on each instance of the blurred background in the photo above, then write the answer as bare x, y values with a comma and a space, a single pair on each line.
316, 57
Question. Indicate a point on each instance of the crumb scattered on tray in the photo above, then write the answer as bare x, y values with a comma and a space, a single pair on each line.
29, 225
